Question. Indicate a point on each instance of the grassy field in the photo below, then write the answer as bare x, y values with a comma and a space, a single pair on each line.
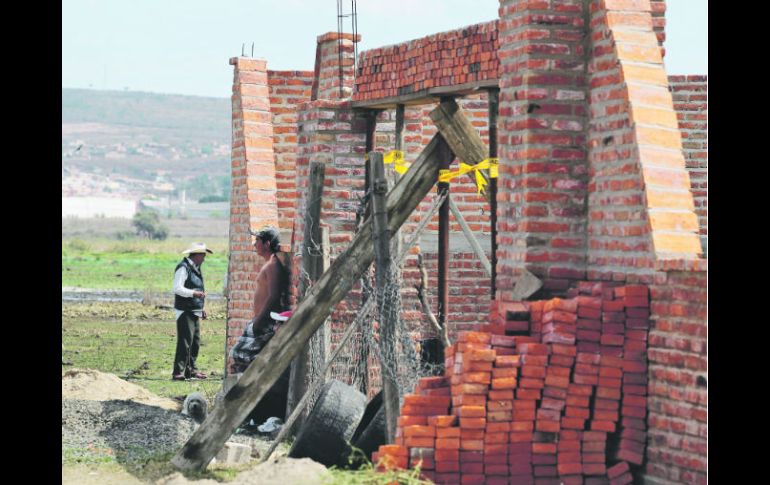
137, 343
136, 265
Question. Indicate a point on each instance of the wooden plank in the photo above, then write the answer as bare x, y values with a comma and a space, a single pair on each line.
443, 257
427, 96
470, 237
461, 136
312, 269
381, 238
311, 312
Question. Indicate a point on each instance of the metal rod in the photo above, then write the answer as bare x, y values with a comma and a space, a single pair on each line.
493, 103
470, 237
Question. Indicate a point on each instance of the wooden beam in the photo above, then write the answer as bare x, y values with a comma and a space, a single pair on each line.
461, 136
470, 237
311, 270
426, 96
443, 256
381, 238
311, 312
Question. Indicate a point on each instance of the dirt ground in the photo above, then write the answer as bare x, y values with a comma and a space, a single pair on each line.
85, 392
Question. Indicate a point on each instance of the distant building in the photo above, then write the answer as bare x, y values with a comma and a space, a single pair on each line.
84, 207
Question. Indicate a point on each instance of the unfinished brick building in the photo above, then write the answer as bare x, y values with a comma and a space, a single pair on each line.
602, 194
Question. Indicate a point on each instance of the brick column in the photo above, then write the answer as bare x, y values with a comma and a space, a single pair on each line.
690, 95
327, 83
253, 197
543, 172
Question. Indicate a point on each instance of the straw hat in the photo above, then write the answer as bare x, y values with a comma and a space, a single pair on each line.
197, 248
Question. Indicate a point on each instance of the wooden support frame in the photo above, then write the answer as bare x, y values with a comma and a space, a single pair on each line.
310, 313
461, 136
312, 261
381, 239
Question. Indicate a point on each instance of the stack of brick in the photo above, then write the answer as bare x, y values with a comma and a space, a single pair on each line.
446, 59
566, 407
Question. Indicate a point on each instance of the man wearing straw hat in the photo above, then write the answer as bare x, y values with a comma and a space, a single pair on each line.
189, 296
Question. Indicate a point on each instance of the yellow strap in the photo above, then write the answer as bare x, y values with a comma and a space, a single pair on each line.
447, 175
396, 157
493, 168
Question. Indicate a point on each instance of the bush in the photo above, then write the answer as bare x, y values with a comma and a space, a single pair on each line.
124, 235
147, 224
212, 198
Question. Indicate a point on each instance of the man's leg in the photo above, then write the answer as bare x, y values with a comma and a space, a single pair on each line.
184, 337
195, 346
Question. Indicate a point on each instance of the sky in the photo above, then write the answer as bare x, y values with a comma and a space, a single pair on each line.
183, 46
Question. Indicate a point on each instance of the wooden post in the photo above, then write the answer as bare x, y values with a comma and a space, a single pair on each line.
381, 239
311, 270
311, 312
460, 135
493, 97
399, 145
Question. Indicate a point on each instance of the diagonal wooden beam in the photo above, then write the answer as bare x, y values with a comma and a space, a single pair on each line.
461, 136
310, 314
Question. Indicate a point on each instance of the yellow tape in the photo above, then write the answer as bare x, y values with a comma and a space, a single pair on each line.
396, 157
493, 168
447, 175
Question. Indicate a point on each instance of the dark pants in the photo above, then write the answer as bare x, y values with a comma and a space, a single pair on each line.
188, 337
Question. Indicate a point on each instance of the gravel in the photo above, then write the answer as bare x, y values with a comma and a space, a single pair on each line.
129, 431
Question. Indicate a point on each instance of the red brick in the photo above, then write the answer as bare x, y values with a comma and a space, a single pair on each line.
480, 354
467, 389
545, 471
500, 395
623, 479
522, 426
472, 479
594, 447
447, 433
447, 444
507, 361
594, 468
412, 420
617, 470
447, 466
528, 394
442, 421
417, 431
529, 360
469, 400
518, 437
562, 360
505, 372
499, 405
519, 469
419, 442
473, 423
446, 455
608, 426
608, 393
474, 445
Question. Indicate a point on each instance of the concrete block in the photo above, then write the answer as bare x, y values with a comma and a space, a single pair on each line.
234, 453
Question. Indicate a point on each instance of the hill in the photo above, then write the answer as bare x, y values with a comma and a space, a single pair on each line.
136, 143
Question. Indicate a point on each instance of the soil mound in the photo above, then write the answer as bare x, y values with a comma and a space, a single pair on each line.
92, 385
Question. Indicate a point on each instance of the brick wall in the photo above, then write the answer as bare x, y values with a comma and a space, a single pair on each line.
542, 122
444, 59
678, 402
690, 94
287, 90
658, 10
253, 196
331, 47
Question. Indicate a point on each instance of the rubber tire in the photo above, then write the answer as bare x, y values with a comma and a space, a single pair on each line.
325, 435
372, 437
371, 409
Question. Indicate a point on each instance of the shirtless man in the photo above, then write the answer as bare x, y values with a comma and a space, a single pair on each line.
271, 295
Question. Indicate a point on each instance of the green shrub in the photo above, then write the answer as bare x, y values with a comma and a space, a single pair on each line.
147, 224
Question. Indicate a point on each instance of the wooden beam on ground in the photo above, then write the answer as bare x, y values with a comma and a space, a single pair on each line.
311, 270
311, 312
381, 238
470, 237
493, 98
461, 136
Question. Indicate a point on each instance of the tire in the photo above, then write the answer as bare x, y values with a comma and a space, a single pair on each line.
371, 409
371, 437
325, 435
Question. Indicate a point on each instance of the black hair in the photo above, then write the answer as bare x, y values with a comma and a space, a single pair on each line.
271, 235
